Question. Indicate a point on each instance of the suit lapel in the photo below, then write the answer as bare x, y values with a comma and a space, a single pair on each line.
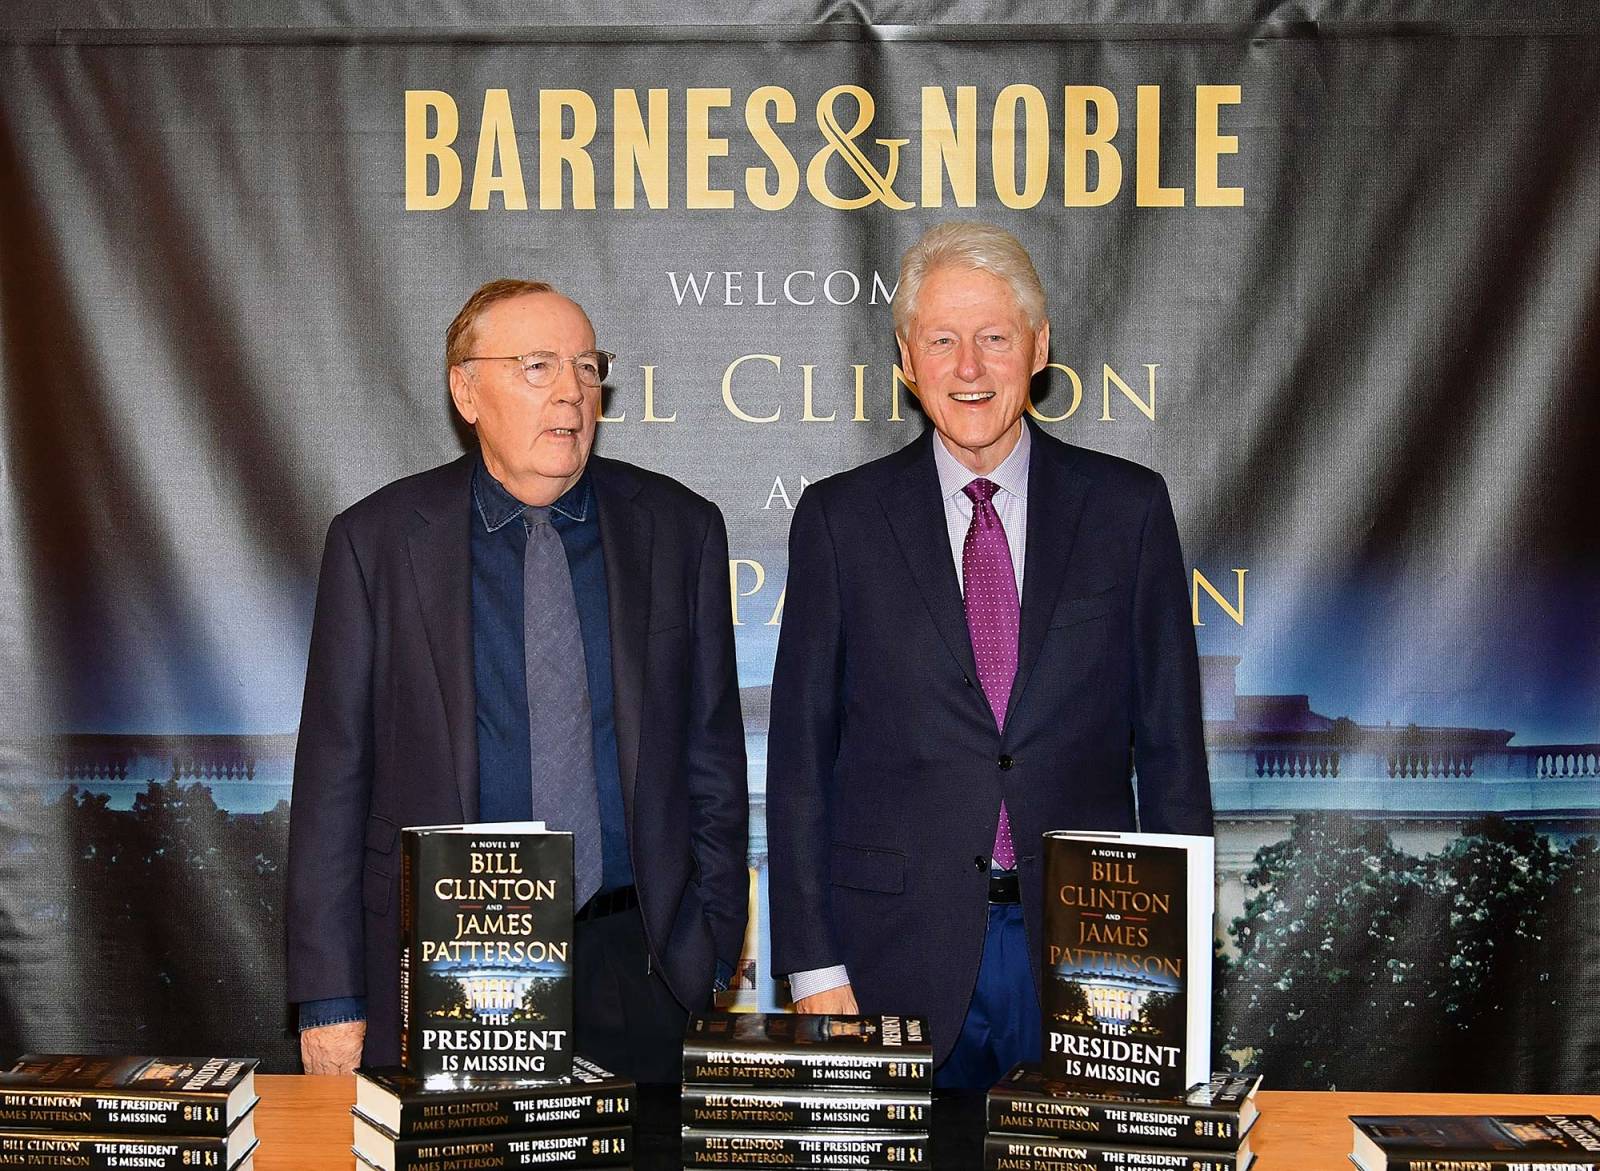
626, 534
916, 514
1056, 496
441, 565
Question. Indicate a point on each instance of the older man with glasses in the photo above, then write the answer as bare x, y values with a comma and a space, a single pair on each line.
529, 631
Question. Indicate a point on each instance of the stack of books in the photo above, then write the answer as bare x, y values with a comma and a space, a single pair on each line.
791, 1090
403, 1125
1481, 1142
1039, 1123
487, 1076
156, 1113
1125, 1080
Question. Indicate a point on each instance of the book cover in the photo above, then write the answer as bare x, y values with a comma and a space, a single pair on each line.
127, 1095
396, 1099
797, 1049
1481, 1142
762, 1109
1214, 1115
596, 1146
1126, 985
1005, 1152
105, 1152
777, 1148
485, 963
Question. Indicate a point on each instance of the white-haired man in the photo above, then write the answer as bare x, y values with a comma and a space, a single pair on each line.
977, 630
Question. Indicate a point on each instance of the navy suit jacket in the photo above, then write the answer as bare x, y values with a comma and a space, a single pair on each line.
388, 734
885, 767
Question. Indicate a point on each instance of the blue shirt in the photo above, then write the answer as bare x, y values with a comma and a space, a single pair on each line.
504, 757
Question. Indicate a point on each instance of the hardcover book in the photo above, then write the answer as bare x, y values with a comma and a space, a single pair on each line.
1479, 1142
762, 1109
1215, 1115
777, 1148
485, 961
127, 1095
103, 1152
594, 1146
395, 1099
1006, 1152
1126, 986
797, 1049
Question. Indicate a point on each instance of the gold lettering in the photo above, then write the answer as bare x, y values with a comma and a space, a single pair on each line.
421, 146
808, 414
700, 148
559, 152
1036, 146
1209, 144
1077, 396
734, 565
786, 171
1147, 152
636, 151
497, 144
950, 148
727, 388
1147, 407
1079, 142
898, 381
650, 415
861, 393
1200, 583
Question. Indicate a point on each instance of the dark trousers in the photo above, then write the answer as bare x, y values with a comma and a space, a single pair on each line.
1002, 1025
624, 1016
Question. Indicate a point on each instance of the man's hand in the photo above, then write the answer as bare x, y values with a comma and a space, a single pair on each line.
333, 1048
840, 1001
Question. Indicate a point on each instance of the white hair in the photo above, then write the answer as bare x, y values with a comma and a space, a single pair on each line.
961, 244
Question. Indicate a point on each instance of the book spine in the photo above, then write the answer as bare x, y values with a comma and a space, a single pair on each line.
1007, 1153
105, 1152
1457, 1162
600, 1146
109, 1113
408, 936
710, 1148
771, 1068
717, 1107
1200, 1128
529, 1108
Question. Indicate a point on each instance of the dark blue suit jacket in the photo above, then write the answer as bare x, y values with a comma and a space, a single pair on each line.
885, 768
388, 733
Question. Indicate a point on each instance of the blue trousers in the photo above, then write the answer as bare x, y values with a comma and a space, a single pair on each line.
1002, 1024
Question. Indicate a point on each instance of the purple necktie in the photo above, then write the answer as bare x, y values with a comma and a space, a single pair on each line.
993, 614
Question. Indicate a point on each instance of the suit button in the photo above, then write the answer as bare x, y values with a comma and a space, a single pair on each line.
1005, 763
980, 863
967, 679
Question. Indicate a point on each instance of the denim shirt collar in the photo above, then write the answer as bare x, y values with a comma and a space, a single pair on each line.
498, 508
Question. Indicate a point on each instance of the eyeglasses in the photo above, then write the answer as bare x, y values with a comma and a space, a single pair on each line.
542, 367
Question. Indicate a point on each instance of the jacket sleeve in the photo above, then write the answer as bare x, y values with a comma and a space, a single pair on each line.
1169, 751
803, 744
332, 785
718, 784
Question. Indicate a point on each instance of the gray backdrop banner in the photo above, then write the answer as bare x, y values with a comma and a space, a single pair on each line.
1337, 280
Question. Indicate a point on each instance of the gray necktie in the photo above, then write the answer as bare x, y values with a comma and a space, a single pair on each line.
560, 730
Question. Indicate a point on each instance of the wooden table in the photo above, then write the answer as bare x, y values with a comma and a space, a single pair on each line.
304, 1122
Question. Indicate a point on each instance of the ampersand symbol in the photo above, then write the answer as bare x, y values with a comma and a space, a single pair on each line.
879, 185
